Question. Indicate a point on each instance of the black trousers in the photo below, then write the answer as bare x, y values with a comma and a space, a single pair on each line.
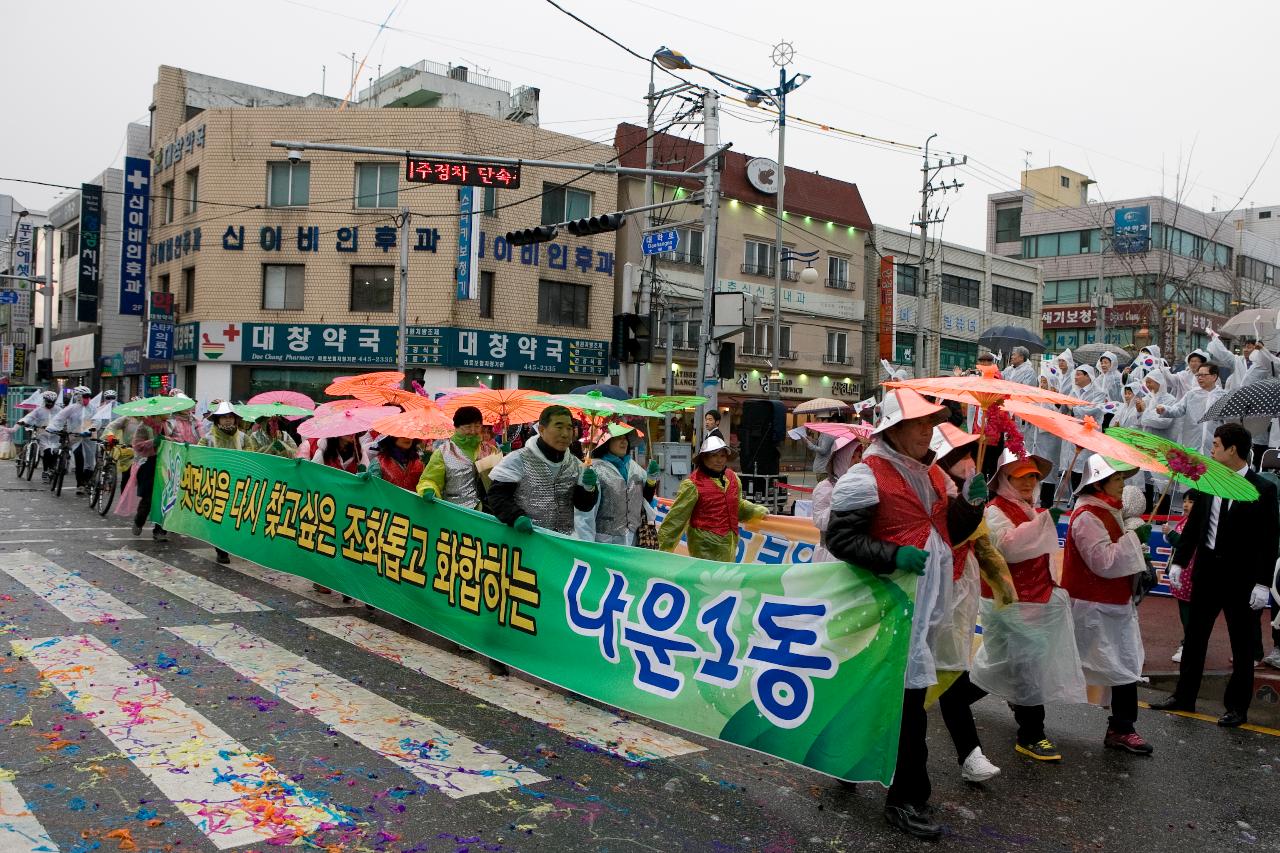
1030, 720
77, 456
958, 715
1124, 708
1212, 594
146, 479
911, 784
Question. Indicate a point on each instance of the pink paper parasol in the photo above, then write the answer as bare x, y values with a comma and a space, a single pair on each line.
289, 398
348, 422
335, 406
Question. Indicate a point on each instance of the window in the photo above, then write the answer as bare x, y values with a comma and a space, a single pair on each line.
760, 341
688, 249
1069, 291
486, 294
189, 289
376, 184
1264, 214
1066, 182
1189, 245
838, 273
837, 348
1212, 300
1009, 225
1256, 270
563, 304
282, 287
166, 203
489, 201
907, 279
372, 289
953, 353
759, 257
961, 291
164, 283
193, 190
563, 204
1009, 300
904, 347
288, 184
1084, 242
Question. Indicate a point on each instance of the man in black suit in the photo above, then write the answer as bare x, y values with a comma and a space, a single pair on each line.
1234, 544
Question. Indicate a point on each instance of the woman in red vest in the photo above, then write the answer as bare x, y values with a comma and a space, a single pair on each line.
1028, 654
399, 461
893, 511
710, 504
1098, 569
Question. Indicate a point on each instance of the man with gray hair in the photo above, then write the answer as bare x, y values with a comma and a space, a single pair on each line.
1021, 369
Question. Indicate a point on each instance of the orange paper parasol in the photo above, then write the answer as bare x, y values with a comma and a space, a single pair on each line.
986, 392
345, 385
383, 396
505, 405
425, 423
1086, 434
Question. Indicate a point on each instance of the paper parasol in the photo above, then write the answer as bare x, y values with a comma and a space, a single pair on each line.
426, 423
1190, 467
502, 405
820, 404
661, 405
1086, 434
384, 395
289, 398
251, 412
343, 385
985, 391
335, 406
595, 404
349, 422
154, 406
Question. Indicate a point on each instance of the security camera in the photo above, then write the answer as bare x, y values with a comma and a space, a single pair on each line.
295, 155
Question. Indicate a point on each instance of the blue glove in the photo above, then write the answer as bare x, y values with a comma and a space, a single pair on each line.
523, 524
909, 559
590, 479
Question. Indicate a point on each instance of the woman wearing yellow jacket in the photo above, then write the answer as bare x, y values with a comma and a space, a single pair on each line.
710, 504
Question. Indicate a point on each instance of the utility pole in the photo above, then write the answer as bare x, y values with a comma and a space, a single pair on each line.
921, 366
710, 221
48, 291
402, 345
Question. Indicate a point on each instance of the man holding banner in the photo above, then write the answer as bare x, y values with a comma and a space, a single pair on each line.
891, 513
542, 483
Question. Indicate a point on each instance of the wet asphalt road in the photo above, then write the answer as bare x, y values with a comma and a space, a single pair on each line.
1205, 788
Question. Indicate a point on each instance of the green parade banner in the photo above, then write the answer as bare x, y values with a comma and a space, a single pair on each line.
804, 662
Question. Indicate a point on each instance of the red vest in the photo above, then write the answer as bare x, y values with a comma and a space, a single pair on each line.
959, 555
406, 477
1080, 580
717, 510
900, 516
1031, 578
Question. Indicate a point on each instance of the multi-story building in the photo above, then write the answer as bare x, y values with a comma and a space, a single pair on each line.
1133, 271
22, 245
285, 268
969, 291
821, 323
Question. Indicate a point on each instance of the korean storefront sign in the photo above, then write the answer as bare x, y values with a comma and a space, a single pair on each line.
884, 287
90, 253
468, 244
1076, 318
173, 152
135, 219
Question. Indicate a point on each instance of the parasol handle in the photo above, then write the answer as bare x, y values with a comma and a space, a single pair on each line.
1168, 486
982, 449
1066, 475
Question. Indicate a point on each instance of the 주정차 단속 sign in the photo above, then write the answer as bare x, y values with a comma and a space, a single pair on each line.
803, 662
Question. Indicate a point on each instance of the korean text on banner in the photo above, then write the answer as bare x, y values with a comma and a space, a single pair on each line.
136, 220
468, 244
803, 662
884, 289
90, 253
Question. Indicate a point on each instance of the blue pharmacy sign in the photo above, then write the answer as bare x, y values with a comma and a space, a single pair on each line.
159, 340
659, 242
519, 352
1132, 230
135, 219
319, 343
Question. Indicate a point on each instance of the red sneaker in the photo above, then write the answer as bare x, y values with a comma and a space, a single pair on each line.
1131, 742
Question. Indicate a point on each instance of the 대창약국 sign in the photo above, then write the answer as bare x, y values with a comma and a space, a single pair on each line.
804, 662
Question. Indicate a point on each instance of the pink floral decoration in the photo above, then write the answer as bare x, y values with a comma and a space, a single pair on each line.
1185, 464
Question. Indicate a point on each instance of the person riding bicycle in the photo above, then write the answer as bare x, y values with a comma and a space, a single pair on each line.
38, 420
75, 420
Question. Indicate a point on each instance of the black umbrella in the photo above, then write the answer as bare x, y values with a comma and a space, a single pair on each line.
1090, 353
1258, 399
1003, 339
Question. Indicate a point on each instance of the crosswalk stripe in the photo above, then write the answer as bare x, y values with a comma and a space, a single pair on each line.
609, 732
20, 831
282, 580
232, 795
73, 596
201, 592
455, 764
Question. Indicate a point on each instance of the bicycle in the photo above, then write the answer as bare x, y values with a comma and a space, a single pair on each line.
62, 463
28, 455
102, 487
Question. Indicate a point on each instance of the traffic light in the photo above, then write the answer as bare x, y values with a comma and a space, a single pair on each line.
632, 338
529, 236
595, 224
44, 370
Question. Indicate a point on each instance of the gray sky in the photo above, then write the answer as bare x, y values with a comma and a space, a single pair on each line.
1129, 93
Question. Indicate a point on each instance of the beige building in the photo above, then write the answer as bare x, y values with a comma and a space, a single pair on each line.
285, 270
822, 336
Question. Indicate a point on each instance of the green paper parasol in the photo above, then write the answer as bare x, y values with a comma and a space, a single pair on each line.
151, 406
1217, 480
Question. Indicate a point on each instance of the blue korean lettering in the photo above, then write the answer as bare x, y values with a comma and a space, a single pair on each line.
308, 238
604, 621
582, 257
195, 239
384, 237
604, 262
233, 238
654, 649
428, 238
782, 686
481, 252
269, 238
529, 254
348, 239
717, 620
501, 249
557, 256
186, 242
773, 549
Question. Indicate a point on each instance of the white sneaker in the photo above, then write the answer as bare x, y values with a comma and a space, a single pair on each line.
1177, 656
977, 768
1273, 660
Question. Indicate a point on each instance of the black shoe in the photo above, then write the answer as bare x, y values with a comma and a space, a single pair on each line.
1232, 720
159, 536
498, 668
137, 529
913, 821
1173, 703
224, 558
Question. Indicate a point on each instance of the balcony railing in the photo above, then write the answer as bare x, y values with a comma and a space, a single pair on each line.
681, 258
836, 359
839, 283
767, 270
767, 352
